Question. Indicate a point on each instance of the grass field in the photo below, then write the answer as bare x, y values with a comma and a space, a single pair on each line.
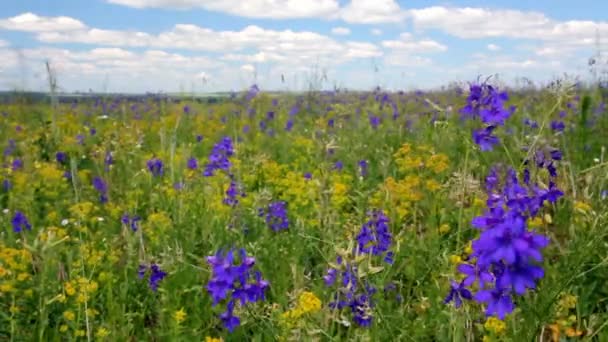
462, 215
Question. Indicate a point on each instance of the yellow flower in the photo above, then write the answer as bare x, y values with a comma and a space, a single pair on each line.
455, 259
582, 207
102, 332
179, 315
63, 328
213, 339
468, 250
308, 302
69, 315
444, 228
535, 222
79, 333
23, 276
495, 325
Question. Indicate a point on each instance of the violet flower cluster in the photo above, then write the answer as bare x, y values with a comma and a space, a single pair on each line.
156, 275
506, 256
351, 293
156, 167
234, 282
131, 221
102, 188
219, 157
486, 103
375, 237
20, 222
354, 291
275, 215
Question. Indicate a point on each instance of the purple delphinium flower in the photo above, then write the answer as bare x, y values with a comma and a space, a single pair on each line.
155, 166
362, 167
484, 138
199, 138
457, 292
192, 163
219, 157
374, 121
232, 194
307, 175
289, 125
156, 275
10, 148
374, 237
131, 221
338, 165
557, 126
234, 282
20, 222
61, 157
276, 216
80, 139
102, 187
17, 164
506, 255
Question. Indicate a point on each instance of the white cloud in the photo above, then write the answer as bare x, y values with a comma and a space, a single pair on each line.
376, 31
406, 60
409, 45
340, 31
470, 22
493, 47
405, 51
248, 68
33, 23
275, 9
3, 43
372, 12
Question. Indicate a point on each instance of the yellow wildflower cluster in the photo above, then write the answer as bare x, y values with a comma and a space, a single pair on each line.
421, 157
565, 322
412, 162
307, 303
15, 265
80, 289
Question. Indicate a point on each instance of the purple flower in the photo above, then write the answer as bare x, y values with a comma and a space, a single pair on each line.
339, 165
219, 157
155, 166
102, 187
61, 157
362, 167
192, 163
307, 175
17, 164
156, 275
276, 216
234, 282
20, 222
458, 291
484, 138
557, 126
374, 237
132, 222
499, 302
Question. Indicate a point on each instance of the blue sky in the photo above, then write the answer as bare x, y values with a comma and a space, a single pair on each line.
215, 45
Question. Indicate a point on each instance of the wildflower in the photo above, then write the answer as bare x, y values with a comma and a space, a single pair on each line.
20, 222
61, 157
231, 194
102, 332
308, 302
557, 126
100, 185
179, 315
362, 167
495, 325
156, 275
338, 165
69, 315
192, 163
484, 138
457, 293
374, 237
218, 159
234, 283
276, 216
155, 166
17, 164
132, 222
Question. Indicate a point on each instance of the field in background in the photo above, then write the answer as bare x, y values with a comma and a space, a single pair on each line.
321, 216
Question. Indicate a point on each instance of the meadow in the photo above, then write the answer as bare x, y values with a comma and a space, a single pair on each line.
477, 213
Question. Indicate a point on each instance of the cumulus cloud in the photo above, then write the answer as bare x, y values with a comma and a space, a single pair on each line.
340, 31
30, 22
406, 51
470, 22
493, 47
372, 12
274, 9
